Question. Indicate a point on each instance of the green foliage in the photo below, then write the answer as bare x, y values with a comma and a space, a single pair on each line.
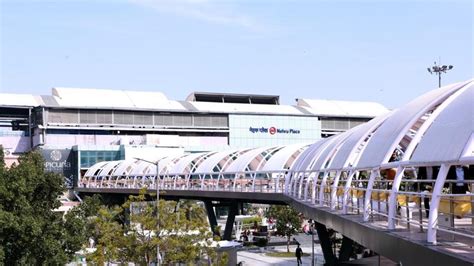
183, 234
261, 241
252, 220
288, 221
30, 231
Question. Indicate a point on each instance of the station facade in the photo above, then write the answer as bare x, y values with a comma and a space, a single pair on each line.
76, 128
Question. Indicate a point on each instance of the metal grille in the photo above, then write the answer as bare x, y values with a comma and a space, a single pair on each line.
167, 120
100, 117
202, 121
104, 117
340, 124
219, 121
143, 119
123, 118
88, 117
182, 120
63, 116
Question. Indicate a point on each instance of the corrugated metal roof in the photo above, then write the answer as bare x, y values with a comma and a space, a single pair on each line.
342, 108
86, 98
245, 108
79, 97
20, 100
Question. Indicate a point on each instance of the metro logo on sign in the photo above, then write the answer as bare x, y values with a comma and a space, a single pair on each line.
272, 130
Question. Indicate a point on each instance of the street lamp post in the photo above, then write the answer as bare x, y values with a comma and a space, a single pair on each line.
438, 70
158, 257
312, 245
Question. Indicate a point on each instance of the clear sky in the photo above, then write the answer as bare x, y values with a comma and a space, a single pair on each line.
368, 50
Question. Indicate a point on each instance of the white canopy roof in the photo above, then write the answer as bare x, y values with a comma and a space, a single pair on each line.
440, 126
342, 108
451, 132
81, 97
24, 100
392, 130
244, 108
281, 157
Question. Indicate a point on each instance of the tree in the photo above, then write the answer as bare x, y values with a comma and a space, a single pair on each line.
31, 232
287, 221
184, 234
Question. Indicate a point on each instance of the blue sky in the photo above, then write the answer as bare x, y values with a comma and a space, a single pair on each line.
364, 50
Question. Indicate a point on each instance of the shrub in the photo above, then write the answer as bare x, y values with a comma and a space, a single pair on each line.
261, 241
252, 220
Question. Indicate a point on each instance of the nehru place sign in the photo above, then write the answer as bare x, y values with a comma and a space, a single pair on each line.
273, 130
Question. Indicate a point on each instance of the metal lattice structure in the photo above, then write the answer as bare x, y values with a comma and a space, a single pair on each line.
406, 168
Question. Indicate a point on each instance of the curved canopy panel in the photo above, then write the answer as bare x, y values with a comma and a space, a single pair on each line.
358, 134
165, 163
108, 167
124, 168
94, 169
241, 164
438, 127
328, 150
210, 163
308, 156
395, 126
281, 158
451, 132
184, 163
141, 167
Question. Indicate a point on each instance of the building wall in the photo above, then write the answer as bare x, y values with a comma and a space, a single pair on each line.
187, 142
265, 130
14, 142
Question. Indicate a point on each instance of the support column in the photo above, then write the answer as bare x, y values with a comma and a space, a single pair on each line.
233, 210
322, 187
392, 200
434, 204
211, 215
368, 194
325, 242
334, 188
346, 249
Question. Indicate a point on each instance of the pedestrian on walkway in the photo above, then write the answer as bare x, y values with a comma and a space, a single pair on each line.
298, 254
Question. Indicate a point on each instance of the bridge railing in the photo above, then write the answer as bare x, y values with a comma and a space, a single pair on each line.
238, 182
344, 192
370, 194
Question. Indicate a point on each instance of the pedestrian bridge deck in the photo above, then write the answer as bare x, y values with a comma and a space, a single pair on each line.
406, 244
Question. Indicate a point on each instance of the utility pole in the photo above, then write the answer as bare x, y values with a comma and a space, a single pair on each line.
312, 244
438, 70
158, 257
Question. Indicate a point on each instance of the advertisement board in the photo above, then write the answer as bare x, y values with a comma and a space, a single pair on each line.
61, 161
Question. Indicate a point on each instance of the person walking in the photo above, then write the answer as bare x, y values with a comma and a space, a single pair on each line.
298, 254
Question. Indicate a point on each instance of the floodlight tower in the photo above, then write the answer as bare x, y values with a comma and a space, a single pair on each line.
438, 70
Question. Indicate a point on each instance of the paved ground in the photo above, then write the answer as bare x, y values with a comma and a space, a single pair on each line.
255, 257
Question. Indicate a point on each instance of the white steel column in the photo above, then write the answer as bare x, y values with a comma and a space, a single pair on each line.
300, 187
347, 187
315, 182
321, 188
368, 193
306, 185
334, 190
434, 204
288, 178
392, 200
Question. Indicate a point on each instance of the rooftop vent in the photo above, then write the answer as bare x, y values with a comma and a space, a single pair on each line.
233, 98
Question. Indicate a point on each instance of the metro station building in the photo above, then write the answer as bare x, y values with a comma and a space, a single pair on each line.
76, 128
